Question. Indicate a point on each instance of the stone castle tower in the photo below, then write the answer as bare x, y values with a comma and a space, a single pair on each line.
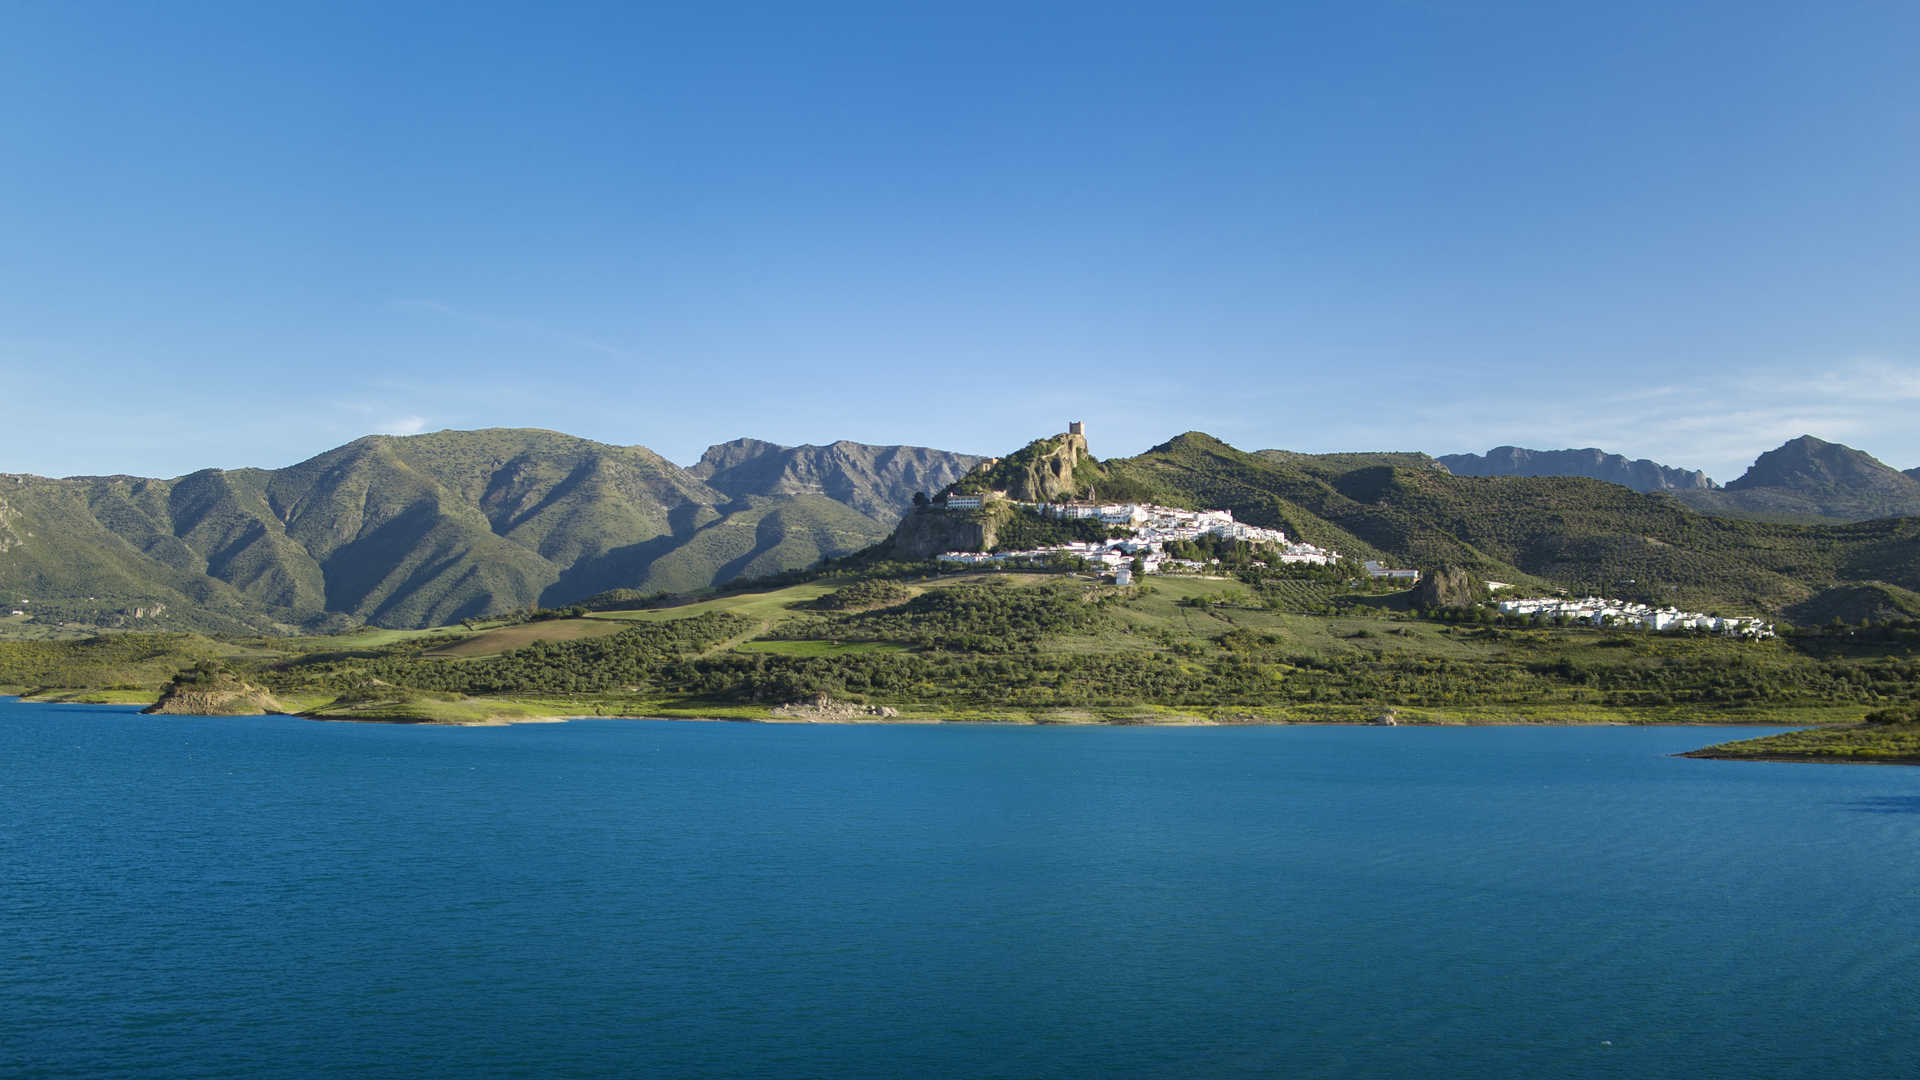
1077, 427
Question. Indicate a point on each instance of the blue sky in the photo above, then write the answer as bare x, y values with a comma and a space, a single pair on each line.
239, 234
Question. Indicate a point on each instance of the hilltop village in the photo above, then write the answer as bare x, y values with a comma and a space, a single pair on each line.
1140, 533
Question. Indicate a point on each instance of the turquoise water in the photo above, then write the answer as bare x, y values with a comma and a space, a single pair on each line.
278, 897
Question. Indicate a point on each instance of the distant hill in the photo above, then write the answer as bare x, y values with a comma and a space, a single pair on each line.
878, 481
1810, 478
1594, 464
430, 529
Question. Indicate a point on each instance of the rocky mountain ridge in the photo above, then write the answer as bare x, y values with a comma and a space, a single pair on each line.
1639, 474
871, 479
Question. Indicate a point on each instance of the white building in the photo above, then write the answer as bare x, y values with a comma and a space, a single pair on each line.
965, 502
1598, 612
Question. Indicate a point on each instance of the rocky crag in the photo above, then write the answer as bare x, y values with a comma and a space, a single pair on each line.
1045, 470
1448, 587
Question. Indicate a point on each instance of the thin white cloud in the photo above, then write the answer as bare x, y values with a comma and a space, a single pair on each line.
405, 425
1717, 423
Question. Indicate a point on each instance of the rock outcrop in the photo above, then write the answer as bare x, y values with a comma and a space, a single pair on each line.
1449, 587
1042, 471
930, 530
206, 690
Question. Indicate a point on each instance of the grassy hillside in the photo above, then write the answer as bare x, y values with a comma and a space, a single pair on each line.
1030, 647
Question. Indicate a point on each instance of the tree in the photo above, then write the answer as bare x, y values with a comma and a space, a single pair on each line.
920, 498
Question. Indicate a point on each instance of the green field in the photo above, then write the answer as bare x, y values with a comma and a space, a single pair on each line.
767, 606
494, 642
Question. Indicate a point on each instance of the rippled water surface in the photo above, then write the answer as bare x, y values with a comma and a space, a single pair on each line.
278, 897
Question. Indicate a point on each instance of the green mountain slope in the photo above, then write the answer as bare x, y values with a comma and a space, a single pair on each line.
430, 529
1873, 601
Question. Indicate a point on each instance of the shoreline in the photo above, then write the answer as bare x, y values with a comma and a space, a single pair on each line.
1075, 718
480, 714
1801, 759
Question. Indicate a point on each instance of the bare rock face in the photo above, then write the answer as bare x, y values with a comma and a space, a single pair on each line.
1449, 587
928, 531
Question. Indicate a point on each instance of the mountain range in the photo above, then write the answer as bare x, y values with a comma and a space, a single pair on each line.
1595, 464
429, 529
1805, 479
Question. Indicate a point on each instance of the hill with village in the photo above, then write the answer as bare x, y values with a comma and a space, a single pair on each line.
1399, 515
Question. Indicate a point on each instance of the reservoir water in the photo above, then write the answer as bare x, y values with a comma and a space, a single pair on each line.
184, 897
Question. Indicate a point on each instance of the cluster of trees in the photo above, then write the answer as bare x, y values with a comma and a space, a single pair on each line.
646, 657
985, 618
861, 595
1896, 632
1022, 531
